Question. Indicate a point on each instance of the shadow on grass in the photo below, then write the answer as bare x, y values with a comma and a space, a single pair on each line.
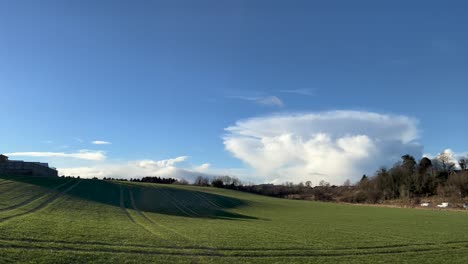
154, 198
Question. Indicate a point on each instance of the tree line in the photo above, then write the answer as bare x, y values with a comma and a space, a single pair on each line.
149, 179
416, 179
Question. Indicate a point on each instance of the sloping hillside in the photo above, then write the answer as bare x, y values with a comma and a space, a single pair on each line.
64, 220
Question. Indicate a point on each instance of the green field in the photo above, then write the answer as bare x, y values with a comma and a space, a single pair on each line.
60, 220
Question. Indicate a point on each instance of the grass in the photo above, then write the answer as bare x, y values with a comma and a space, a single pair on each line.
57, 220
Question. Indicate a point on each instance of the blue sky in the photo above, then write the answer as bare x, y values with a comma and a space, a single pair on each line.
164, 79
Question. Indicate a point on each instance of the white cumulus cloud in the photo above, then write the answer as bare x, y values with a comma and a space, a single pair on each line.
82, 154
453, 156
331, 146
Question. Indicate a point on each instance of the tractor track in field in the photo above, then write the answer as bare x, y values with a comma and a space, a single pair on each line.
142, 214
132, 219
176, 204
173, 200
43, 204
151, 220
132, 202
285, 236
181, 204
207, 200
311, 251
122, 205
32, 199
370, 235
209, 204
288, 237
97, 244
232, 255
9, 181
3, 183
13, 189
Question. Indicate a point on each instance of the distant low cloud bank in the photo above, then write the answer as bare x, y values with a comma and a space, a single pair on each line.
331, 146
138, 169
82, 155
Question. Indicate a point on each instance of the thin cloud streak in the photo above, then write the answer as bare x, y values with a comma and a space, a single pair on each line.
306, 92
101, 142
270, 100
82, 154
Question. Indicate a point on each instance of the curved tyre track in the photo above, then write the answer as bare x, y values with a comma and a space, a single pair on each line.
176, 203
142, 214
287, 237
152, 221
133, 220
6, 183
122, 205
167, 228
32, 199
132, 201
206, 199
43, 204
461, 244
232, 255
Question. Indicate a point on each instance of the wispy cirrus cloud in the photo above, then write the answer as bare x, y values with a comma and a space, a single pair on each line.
306, 92
101, 142
82, 155
79, 140
269, 100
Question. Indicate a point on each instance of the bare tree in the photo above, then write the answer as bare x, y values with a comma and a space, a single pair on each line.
347, 183
463, 164
446, 160
323, 183
202, 181
182, 181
